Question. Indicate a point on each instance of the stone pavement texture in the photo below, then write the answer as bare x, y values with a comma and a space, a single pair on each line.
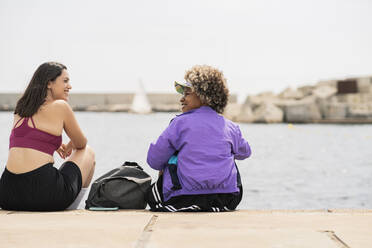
144, 229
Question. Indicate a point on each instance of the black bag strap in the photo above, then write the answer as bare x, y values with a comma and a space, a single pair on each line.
134, 164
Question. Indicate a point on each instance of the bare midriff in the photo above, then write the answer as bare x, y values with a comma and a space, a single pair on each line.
22, 160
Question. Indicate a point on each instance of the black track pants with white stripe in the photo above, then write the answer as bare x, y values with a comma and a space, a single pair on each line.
191, 203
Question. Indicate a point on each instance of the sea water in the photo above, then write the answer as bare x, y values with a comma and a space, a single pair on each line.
308, 166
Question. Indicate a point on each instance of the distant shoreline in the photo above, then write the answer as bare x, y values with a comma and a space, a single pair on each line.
169, 103
108, 102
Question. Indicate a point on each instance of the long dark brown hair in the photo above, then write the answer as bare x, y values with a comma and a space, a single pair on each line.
36, 91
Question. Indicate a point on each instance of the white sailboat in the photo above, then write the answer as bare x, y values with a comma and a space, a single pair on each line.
140, 104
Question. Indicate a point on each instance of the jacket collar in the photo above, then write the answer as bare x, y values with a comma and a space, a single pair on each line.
202, 109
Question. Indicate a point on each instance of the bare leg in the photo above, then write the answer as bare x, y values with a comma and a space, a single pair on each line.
89, 179
85, 160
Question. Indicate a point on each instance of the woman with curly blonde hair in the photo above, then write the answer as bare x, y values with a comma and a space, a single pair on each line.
196, 153
209, 85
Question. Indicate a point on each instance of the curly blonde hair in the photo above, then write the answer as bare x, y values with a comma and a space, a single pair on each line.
209, 84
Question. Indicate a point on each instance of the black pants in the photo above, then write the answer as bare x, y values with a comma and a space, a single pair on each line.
42, 189
192, 203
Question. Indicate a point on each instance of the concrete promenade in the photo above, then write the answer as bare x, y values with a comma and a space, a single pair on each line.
242, 228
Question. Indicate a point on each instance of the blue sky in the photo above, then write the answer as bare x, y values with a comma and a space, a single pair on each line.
261, 45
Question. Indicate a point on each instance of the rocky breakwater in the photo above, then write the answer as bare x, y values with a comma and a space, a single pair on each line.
333, 101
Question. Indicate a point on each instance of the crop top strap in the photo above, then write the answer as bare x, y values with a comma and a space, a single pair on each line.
22, 118
33, 123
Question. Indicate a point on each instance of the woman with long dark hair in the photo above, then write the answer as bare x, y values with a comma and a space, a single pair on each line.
30, 182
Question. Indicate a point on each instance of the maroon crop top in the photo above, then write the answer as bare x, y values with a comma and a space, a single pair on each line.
31, 137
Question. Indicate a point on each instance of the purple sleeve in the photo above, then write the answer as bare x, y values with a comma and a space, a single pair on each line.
241, 148
160, 151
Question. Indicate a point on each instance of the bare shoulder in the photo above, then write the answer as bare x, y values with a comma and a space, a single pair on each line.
60, 109
61, 105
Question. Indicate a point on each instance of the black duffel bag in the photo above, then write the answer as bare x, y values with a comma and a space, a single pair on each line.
124, 187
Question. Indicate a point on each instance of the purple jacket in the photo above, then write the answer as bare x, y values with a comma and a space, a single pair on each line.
207, 144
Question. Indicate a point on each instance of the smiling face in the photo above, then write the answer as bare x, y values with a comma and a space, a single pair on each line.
190, 100
60, 87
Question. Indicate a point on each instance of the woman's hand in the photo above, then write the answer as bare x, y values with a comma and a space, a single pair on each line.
69, 148
65, 151
62, 151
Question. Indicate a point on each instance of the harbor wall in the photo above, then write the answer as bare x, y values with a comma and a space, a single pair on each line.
347, 100
110, 102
